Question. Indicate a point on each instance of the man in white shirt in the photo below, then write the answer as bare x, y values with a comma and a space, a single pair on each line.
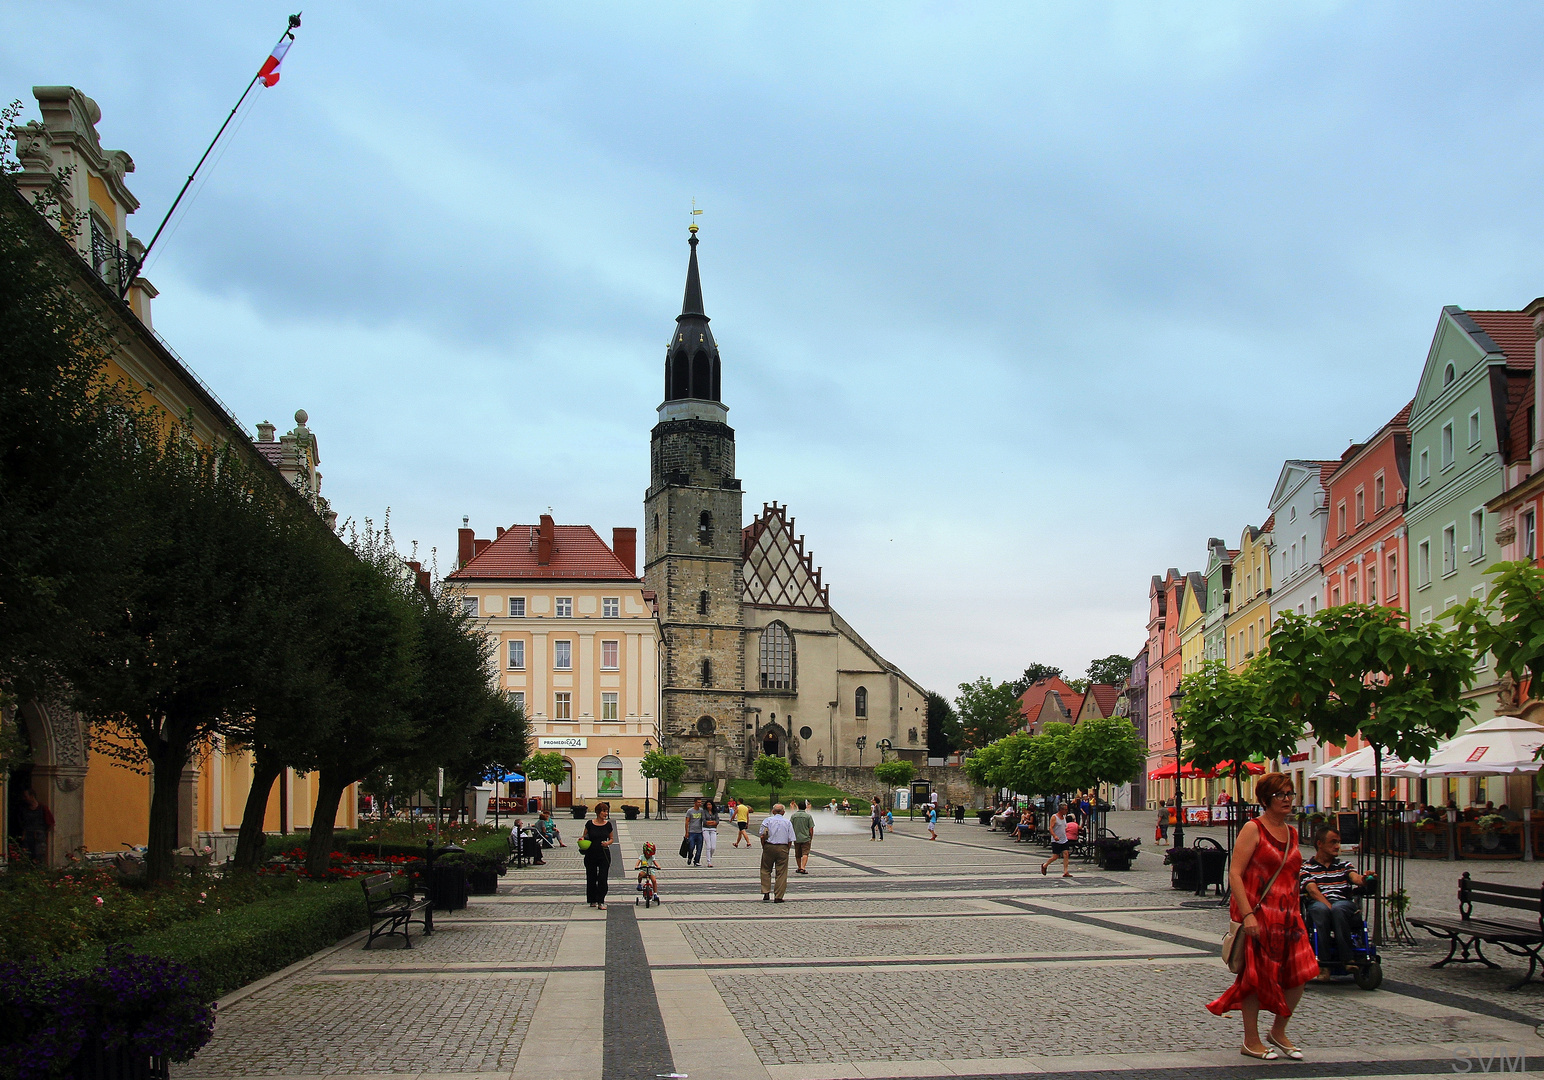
776, 839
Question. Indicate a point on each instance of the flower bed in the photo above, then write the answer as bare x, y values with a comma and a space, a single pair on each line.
344, 865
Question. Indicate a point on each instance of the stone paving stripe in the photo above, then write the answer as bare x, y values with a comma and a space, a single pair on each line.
1302, 1070
636, 1045
847, 862
1189, 942
915, 961
463, 969
1460, 1001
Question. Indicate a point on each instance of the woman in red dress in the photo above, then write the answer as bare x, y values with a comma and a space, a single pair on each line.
1278, 959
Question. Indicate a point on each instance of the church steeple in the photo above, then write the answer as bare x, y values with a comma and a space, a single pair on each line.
692, 364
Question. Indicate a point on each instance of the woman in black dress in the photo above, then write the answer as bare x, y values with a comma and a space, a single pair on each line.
601, 834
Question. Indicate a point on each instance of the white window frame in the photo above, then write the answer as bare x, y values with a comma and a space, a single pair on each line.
1450, 548
1361, 506
517, 607
469, 606
611, 607
1340, 517
616, 655
1530, 534
1425, 616
1379, 493
1447, 445
562, 655
517, 699
1474, 429
1423, 563
563, 705
610, 705
1477, 534
563, 607
516, 654
1391, 564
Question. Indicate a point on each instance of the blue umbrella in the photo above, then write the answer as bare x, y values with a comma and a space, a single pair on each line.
513, 776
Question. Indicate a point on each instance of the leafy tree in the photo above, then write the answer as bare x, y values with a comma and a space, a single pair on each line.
548, 768
1033, 674
894, 774
1224, 716
1358, 668
1103, 750
987, 711
1509, 625
1044, 765
1112, 670
774, 772
984, 765
666, 768
943, 726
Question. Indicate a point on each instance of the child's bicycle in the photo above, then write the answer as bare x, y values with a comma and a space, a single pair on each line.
648, 885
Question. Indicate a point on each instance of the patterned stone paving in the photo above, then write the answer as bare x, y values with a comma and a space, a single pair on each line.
460, 942
942, 936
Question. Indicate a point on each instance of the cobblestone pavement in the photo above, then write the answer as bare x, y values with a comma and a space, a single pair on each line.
908, 958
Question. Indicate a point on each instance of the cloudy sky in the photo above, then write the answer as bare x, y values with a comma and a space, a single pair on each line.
1018, 304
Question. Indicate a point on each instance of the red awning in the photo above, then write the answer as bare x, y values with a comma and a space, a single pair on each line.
1166, 772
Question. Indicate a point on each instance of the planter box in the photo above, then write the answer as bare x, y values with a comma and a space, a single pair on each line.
630, 813
579, 812
1503, 843
984, 817
1115, 854
1429, 843
482, 882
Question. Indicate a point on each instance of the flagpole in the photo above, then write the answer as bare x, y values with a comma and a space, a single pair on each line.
138, 264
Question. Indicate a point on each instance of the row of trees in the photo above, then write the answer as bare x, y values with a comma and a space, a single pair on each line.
987, 710
1062, 758
178, 595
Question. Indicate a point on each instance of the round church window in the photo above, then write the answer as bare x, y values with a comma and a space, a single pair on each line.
805, 732
705, 725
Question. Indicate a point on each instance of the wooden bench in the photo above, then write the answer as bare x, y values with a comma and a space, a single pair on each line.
1518, 937
393, 905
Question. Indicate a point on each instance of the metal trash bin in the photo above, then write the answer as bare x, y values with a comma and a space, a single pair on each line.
448, 886
1211, 865
1184, 869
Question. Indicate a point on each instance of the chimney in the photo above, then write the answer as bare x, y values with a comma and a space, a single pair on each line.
1536, 451
500, 528
544, 538
421, 576
464, 545
479, 546
624, 545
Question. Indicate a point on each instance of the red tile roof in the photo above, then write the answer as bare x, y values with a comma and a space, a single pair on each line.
1512, 330
1032, 699
578, 555
1270, 523
1104, 696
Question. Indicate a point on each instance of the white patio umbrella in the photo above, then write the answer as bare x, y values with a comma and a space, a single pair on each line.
1497, 747
1359, 763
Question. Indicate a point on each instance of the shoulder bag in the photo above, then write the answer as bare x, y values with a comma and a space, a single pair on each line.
1233, 941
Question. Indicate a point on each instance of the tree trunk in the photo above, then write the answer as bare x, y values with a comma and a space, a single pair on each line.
329, 790
251, 841
166, 764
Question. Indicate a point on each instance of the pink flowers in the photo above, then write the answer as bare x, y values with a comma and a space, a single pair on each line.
99, 901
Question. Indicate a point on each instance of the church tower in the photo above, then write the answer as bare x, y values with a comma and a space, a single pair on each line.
692, 549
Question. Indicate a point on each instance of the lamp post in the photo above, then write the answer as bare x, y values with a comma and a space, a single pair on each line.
647, 746
862, 742
1175, 699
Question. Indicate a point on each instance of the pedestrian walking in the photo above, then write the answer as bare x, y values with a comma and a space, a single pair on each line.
742, 824
1059, 841
1278, 958
599, 835
803, 835
693, 834
932, 822
876, 822
710, 829
776, 838
1163, 823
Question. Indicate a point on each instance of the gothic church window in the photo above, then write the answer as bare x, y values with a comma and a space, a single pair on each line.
776, 658
860, 703
707, 673
705, 529
702, 602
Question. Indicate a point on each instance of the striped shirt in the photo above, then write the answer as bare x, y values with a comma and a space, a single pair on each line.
1334, 880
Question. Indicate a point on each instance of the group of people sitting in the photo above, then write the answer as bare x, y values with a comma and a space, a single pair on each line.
1472, 813
542, 833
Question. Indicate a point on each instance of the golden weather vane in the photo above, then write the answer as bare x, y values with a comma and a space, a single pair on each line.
695, 213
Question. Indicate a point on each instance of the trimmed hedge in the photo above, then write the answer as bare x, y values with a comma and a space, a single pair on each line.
277, 844
236, 947
492, 846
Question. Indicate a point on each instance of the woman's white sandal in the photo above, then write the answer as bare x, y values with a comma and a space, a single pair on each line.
1266, 1055
1291, 1051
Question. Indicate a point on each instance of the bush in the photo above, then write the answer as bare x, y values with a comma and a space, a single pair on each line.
279, 843
233, 948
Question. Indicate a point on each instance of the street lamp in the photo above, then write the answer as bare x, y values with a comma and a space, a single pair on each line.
1179, 808
862, 742
647, 746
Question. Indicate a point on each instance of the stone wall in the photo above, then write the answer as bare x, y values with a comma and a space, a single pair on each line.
950, 782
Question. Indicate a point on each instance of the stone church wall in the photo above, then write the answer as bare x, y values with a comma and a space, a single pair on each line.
950, 782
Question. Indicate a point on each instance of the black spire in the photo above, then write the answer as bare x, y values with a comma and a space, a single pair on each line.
691, 358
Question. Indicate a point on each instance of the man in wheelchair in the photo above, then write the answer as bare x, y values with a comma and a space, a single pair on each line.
1327, 885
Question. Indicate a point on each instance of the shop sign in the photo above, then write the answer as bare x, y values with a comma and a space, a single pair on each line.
561, 742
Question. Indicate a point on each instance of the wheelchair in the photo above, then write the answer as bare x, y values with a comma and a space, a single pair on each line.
1365, 967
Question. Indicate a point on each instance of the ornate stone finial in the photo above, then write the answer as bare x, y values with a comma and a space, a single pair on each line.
301, 417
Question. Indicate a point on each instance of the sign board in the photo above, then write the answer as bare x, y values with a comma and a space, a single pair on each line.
1197, 815
561, 742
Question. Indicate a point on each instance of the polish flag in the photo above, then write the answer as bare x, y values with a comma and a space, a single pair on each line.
269, 72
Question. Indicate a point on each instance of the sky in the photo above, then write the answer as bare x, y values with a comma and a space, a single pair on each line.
1018, 303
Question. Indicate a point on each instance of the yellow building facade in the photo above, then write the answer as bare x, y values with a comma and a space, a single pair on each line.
100, 805
1248, 627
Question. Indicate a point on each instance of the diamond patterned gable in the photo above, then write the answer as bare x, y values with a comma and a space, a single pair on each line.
778, 571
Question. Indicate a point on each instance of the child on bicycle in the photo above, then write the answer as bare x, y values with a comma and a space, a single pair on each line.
648, 868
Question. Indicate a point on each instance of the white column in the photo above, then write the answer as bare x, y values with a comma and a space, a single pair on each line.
585, 674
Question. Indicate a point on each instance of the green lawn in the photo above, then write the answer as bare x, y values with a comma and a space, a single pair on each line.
819, 795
